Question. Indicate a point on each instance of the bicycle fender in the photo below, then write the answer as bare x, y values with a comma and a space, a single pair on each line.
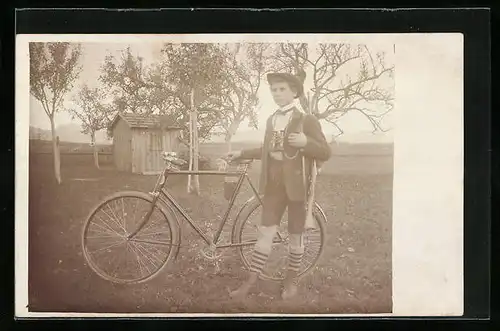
245, 205
252, 199
321, 212
165, 204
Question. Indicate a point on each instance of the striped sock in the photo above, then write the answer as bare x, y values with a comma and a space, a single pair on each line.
259, 260
294, 261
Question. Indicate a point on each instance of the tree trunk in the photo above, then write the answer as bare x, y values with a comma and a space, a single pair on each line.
96, 151
228, 143
196, 145
190, 151
55, 151
231, 132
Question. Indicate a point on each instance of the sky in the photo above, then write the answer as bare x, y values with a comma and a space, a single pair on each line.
354, 125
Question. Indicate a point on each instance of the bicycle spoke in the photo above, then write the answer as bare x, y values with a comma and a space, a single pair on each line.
117, 262
123, 215
135, 212
160, 251
307, 255
115, 218
149, 221
152, 255
248, 237
138, 260
109, 243
105, 236
117, 205
126, 255
151, 242
152, 233
108, 247
110, 218
142, 254
158, 230
105, 232
140, 251
106, 226
312, 255
314, 243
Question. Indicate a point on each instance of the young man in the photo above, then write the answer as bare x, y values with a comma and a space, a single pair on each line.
290, 134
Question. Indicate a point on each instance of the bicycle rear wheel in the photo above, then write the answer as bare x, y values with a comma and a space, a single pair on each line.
246, 230
116, 258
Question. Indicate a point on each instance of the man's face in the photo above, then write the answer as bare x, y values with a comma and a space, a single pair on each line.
282, 93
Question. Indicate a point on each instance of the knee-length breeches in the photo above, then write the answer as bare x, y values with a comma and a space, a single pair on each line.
276, 200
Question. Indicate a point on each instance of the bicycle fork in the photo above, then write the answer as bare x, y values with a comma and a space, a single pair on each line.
155, 193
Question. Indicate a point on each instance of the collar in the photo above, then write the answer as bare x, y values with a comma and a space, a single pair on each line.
285, 109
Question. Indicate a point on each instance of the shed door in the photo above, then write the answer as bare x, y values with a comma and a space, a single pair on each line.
155, 147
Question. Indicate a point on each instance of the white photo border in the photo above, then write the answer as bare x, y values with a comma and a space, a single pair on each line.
427, 256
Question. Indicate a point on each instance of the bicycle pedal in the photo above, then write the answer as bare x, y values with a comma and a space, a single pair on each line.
209, 254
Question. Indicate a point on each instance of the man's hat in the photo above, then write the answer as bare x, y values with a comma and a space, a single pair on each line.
295, 81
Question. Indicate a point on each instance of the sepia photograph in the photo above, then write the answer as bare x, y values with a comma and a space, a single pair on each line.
217, 175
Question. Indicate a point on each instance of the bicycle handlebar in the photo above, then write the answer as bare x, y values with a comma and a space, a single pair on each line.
239, 162
171, 158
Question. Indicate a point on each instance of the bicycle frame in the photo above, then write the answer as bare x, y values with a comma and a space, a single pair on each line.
161, 193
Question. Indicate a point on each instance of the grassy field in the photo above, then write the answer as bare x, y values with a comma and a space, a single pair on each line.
353, 276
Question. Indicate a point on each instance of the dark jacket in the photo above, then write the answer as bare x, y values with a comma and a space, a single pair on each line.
316, 148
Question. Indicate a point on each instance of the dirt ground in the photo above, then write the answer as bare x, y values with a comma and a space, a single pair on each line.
353, 275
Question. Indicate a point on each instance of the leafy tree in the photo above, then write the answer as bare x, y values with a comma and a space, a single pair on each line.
92, 112
126, 83
184, 85
197, 73
141, 89
54, 68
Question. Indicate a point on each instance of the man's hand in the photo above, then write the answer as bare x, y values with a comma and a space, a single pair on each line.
297, 140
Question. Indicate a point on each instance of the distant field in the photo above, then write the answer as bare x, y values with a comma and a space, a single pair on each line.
346, 159
220, 148
338, 149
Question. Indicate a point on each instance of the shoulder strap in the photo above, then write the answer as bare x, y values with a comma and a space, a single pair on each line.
301, 122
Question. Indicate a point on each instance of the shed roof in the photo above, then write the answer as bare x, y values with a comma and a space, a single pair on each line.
144, 121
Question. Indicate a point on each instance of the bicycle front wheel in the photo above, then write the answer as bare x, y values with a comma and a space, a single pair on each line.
245, 233
119, 259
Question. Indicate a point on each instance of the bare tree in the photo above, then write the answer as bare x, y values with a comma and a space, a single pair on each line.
335, 90
53, 70
242, 77
92, 113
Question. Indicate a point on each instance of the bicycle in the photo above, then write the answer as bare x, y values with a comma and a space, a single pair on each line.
163, 234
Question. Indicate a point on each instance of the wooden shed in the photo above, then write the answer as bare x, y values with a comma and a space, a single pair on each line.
138, 141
